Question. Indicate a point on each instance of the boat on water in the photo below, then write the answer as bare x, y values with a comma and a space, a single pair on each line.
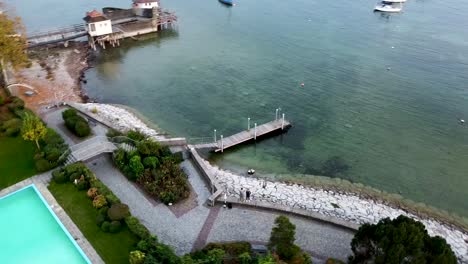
226, 2
388, 7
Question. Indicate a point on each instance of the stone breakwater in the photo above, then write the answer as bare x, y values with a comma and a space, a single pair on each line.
118, 118
345, 206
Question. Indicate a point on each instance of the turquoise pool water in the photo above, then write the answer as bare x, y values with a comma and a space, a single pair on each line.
31, 233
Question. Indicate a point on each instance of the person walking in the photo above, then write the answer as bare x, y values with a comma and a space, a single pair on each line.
241, 198
247, 195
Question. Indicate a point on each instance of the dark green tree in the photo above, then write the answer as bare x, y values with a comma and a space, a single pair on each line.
282, 238
402, 240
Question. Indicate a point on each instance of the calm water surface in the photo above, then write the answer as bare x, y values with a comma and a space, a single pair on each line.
381, 99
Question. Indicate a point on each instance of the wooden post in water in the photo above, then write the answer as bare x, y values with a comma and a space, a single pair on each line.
282, 123
255, 132
248, 124
215, 135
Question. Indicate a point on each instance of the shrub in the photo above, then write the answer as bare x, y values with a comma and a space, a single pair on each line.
52, 153
136, 257
92, 192
2, 101
100, 219
118, 212
94, 110
136, 227
112, 199
113, 133
82, 129
167, 197
74, 176
99, 201
151, 162
120, 158
103, 211
231, 248
42, 165
149, 148
136, 166
69, 113
282, 238
245, 258
59, 177
12, 123
115, 227
105, 226
16, 103
12, 132
136, 135
76, 123
82, 185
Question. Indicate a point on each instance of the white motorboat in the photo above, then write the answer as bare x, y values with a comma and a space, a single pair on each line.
389, 8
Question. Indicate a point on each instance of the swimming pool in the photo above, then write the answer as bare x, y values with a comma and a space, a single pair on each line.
30, 232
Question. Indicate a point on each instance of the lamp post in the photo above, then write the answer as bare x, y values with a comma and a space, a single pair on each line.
255, 132
282, 123
222, 144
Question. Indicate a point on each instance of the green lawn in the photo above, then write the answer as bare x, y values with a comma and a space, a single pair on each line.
113, 248
16, 160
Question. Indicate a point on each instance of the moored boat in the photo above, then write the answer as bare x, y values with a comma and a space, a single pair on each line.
226, 2
389, 8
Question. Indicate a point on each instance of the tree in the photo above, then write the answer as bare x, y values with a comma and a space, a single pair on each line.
402, 240
33, 129
282, 238
12, 41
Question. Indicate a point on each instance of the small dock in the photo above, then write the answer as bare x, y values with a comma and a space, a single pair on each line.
279, 125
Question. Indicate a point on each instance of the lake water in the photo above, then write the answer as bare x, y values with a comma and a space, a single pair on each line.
381, 98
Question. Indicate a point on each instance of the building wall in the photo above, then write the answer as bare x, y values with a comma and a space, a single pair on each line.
100, 28
147, 5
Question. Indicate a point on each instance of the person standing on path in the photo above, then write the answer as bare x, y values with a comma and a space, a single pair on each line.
241, 197
247, 195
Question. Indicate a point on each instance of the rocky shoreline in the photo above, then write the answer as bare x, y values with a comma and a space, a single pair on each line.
340, 204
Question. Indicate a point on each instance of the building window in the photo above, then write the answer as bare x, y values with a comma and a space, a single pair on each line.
93, 27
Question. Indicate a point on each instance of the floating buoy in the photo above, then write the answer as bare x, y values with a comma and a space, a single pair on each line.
388, 68
462, 121
251, 171
302, 84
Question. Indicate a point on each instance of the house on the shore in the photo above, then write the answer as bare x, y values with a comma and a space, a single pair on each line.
145, 4
97, 24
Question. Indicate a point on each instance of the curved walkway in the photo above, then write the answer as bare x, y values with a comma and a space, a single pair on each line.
204, 224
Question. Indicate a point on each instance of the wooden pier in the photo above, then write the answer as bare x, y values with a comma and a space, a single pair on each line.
279, 125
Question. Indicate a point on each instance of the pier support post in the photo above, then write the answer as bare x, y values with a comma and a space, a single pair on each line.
248, 123
255, 132
276, 114
214, 136
222, 144
282, 122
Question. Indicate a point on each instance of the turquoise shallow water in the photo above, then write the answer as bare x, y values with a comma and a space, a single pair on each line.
380, 104
30, 233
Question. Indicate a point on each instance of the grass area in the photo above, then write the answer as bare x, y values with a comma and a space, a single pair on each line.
113, 248
16, 160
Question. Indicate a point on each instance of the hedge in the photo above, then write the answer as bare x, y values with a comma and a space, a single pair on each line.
76, 123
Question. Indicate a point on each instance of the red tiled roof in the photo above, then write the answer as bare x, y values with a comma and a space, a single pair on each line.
94, 13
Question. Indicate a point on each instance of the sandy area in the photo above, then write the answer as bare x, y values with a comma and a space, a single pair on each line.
54, 74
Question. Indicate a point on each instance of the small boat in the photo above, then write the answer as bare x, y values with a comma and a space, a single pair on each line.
226, 2
389, 8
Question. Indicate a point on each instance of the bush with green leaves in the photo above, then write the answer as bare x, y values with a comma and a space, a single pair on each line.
2, 101
105, 226
11, 127
99, 201
115, 227
42, 165
136, 257
135, 135
151, 162
118, 211
76, 123
282, 238
398, 241
136, 166
59, 176
100, 219
136, 227
15, 103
